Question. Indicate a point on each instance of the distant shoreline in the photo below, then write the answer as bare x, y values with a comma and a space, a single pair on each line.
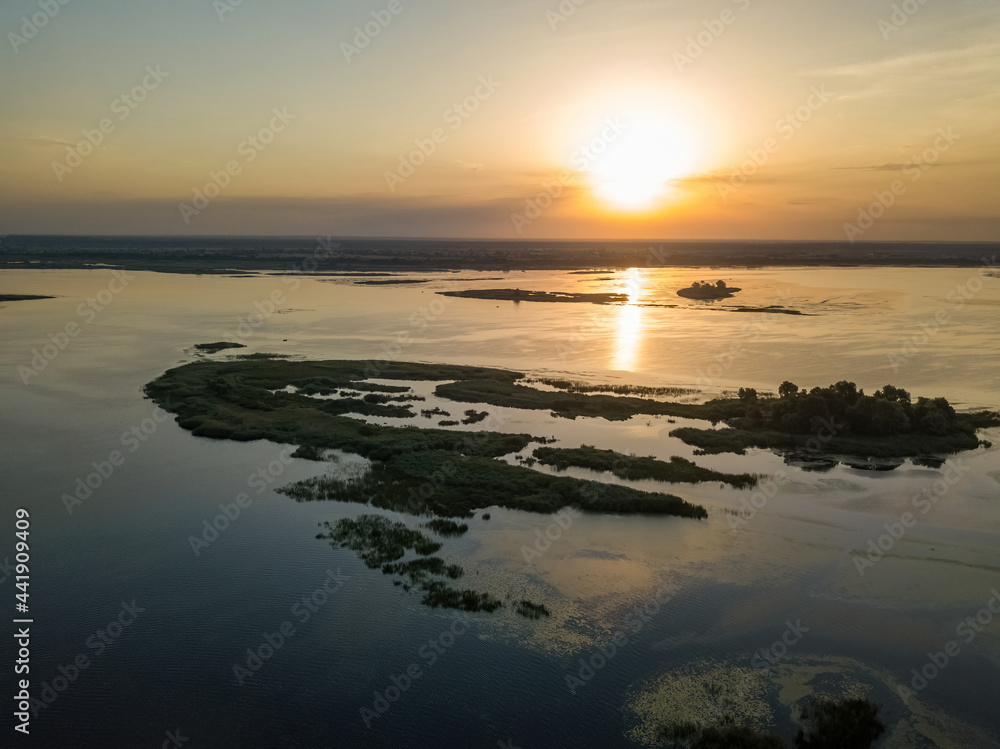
331, 256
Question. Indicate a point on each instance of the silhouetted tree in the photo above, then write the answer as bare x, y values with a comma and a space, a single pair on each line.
788, 389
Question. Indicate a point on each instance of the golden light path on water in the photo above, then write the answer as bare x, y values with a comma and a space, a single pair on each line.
630, 325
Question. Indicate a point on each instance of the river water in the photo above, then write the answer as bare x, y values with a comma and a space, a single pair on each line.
741, 614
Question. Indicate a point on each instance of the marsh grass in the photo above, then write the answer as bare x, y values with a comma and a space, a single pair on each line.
380, 543
676, 470
446, 528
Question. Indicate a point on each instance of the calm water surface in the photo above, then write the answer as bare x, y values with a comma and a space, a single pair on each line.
732, 592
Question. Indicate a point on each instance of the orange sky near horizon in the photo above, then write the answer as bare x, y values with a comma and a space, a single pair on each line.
735, 119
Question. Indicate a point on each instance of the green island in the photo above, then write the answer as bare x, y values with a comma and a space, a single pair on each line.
435, 471
517, 295
246, 400
22, 297
449, 474
392, 282
214, 348
841, 420
676, 470
850, 723
705, 290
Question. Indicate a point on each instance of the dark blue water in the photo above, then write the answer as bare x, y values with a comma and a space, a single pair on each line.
172, 668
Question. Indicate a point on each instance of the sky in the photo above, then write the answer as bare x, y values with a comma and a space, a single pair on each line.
617, 119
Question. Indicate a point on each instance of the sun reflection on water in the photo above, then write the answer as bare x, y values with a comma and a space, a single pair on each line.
631, 323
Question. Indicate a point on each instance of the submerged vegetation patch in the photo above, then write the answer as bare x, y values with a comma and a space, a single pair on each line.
381, 542
574, 386
531, 610
446, 528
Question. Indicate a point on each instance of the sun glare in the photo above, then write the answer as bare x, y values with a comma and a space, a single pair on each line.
630, 323
637, 164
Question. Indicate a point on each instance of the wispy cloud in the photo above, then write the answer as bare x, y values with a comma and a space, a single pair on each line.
40, 140
888, 167
971, 70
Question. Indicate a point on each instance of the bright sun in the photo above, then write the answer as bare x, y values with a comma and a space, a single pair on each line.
638, 160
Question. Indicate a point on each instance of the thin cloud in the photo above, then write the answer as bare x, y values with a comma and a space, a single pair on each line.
887, 167
40, 140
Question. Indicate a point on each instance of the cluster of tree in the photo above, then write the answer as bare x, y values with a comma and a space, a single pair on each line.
706, 285
845, 408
